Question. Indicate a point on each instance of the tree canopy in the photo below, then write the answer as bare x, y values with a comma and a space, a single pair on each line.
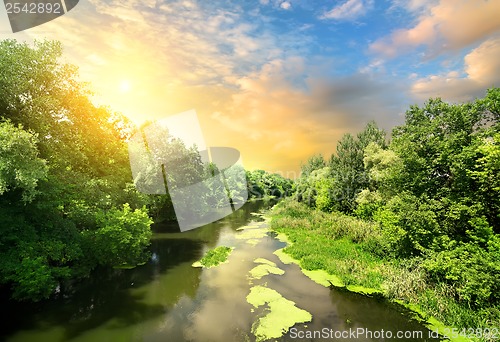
65, 186
434, 191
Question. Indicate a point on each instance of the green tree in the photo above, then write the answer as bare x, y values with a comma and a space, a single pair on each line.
20, 167
68, 158
121, 236
315, 162
347, 166
440, 148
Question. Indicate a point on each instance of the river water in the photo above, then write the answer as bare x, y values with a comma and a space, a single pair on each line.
169, 300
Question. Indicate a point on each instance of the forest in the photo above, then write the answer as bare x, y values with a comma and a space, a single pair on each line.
68, 204
415, 215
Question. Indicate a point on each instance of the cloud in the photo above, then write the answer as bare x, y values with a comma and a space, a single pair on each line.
443, 26
286, 5
481, 71
349, 10
412, 5
282, 118
248, 84
166, 48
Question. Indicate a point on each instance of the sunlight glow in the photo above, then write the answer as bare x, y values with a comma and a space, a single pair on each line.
125, 86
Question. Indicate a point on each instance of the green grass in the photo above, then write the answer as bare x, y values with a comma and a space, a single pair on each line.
324, 241
214, 257
352, 250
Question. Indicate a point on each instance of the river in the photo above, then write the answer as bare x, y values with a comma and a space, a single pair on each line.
169, 300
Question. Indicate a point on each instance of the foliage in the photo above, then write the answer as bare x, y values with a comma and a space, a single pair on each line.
262, 184
214, 257
69, 160
348, 171
336, 243
121, 236
409, 225
434, 195
347, 177
314, 163
20, 166
458, 286
471, 270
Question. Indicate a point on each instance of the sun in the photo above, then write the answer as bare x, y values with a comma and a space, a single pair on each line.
125, 86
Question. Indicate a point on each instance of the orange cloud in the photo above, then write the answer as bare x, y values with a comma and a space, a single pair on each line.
246, 83
279, 123
481, 71
446, 25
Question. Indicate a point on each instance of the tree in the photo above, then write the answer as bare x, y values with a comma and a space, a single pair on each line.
20, 167
347, 166
315, 162
262, 184
69, 159
442, 148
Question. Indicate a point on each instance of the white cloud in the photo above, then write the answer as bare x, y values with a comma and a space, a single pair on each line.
285, 5
413, 5
349, 10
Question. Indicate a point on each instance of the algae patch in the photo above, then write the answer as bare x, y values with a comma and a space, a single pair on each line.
285, 258
253, 235
264, 261
323, 278
249, 226
266, 267
282, 313
283, 238
214, 257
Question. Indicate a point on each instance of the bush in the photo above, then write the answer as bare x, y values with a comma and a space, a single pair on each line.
473, 271
409, 225
121, 238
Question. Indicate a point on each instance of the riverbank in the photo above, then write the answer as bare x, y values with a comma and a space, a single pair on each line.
349, 251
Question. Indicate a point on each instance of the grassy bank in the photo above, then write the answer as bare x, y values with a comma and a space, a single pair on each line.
353, 250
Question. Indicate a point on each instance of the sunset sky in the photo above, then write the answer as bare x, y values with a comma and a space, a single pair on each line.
278, 80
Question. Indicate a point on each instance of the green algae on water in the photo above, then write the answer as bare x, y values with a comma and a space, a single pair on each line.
285, 258
283, 238
323, 278
252, 236
266, 267
214, 257
282, 313
264, 261
249, 226
363, 290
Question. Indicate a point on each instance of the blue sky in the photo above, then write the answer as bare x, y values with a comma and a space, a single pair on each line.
279, 79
